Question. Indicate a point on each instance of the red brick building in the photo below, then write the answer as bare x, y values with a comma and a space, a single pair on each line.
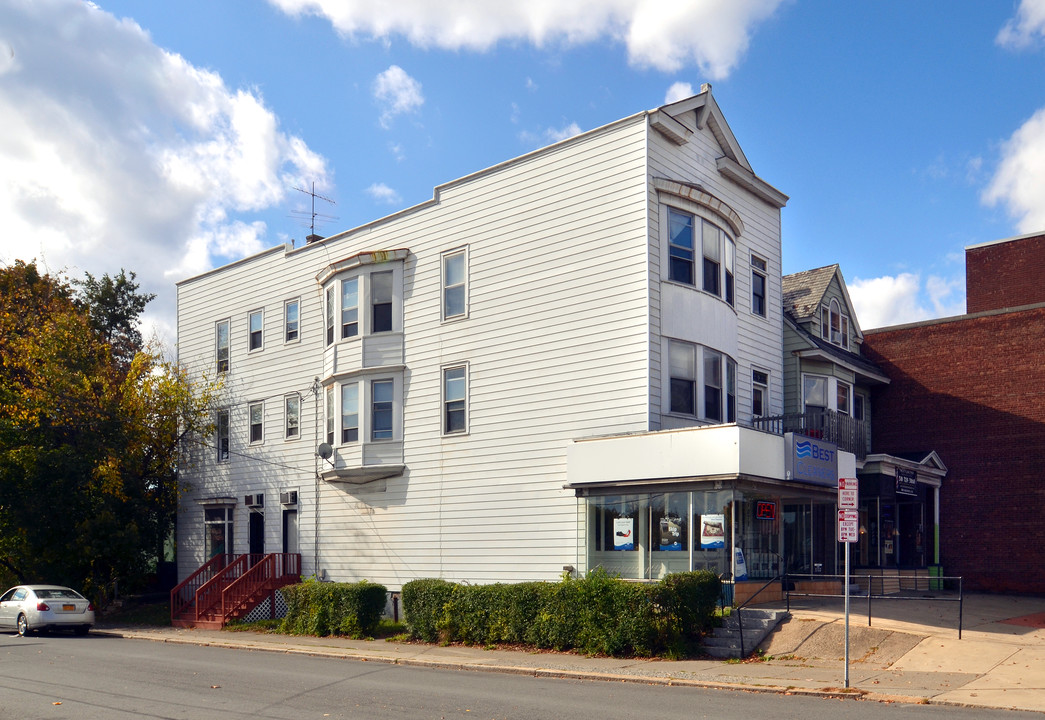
972, 388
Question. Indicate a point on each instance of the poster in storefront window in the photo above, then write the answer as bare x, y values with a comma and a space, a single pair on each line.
670, 533
712, 532
623, 534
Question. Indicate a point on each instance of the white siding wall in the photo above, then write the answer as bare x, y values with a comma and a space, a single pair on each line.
758, 339
556, 343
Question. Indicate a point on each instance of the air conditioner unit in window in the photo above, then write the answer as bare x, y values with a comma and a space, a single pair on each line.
288, 498
257, 500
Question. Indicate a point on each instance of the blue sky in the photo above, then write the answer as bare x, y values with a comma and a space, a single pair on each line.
167, 138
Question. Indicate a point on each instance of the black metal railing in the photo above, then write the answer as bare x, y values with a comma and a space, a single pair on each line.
845, 431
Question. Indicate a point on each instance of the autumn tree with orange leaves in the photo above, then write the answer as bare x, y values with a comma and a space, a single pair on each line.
90, 428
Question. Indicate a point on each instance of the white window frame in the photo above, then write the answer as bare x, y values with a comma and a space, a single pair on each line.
257, 330
350, 313
292, 416
350, 404
684, 371
329, 407
223, 364
377, 302
758, 270
292, 327
256, 408
711, 253
453, 401
679, 251
830, 315
682, 355
386, 406
760, 389
839, 387
451, 287
328, 315
831, 390
222, 436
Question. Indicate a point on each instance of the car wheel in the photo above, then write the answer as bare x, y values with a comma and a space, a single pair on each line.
23, 626
82, 630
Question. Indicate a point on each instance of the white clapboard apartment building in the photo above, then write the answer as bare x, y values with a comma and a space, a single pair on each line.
552, 364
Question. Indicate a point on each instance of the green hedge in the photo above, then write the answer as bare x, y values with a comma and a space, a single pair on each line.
319, 608
597, 614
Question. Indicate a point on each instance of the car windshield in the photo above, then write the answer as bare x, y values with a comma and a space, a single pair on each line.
57, 594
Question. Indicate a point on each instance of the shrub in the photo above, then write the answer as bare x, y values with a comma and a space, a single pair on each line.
317, 608
598, 614
423, 602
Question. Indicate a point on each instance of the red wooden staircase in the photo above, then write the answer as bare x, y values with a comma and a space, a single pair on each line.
228, 587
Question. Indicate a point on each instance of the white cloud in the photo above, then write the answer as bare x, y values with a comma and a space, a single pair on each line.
118, 154
566, 131
1018, 181
678, 91
894, 300
1026, 27
712, 34
398, 93
383, 194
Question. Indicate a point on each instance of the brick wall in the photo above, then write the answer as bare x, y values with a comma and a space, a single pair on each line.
973, 390
1005, 274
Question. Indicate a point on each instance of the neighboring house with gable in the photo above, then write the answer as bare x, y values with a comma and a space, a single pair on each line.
554, 364
828, 386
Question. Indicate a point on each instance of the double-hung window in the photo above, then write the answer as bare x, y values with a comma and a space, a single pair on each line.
730, 251
703, 382
834, 324
680, 246
712, 385
758, 286
221, 345
330, 415
349, 307
731, 390
382, 396
455, 400
256, 322
221, 435
759, 393
683, 367
712, 258
291, 319
350, 412
292, 414
381, 301
329, 316
842, 398
256, 412
455, 288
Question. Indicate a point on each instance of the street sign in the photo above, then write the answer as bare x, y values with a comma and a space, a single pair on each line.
848, 526
848, 494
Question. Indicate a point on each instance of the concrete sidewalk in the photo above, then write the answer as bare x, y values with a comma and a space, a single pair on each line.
911, 653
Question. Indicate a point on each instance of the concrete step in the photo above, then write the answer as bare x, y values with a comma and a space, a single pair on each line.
753, 624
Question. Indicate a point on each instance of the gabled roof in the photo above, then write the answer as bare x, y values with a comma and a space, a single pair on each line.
733, 164
822, 350
804, 291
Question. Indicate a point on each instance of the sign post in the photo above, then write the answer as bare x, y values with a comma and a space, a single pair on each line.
848, 532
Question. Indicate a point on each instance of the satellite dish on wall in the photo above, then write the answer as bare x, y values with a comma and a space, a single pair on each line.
324, 451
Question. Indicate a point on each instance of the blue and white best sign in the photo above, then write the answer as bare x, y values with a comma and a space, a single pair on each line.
810, 460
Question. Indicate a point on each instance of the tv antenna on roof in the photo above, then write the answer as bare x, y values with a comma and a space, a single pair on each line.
312, 237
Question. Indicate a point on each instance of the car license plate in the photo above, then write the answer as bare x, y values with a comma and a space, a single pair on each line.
68, 608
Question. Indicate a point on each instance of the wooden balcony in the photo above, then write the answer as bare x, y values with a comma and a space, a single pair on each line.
848, 433
228, 587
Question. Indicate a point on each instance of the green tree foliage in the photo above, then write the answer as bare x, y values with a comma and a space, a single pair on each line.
88, 444
114, 305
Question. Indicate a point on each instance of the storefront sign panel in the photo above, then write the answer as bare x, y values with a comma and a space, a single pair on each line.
906, 482
810, 460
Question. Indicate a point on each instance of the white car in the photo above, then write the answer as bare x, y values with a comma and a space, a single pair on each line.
33, 608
